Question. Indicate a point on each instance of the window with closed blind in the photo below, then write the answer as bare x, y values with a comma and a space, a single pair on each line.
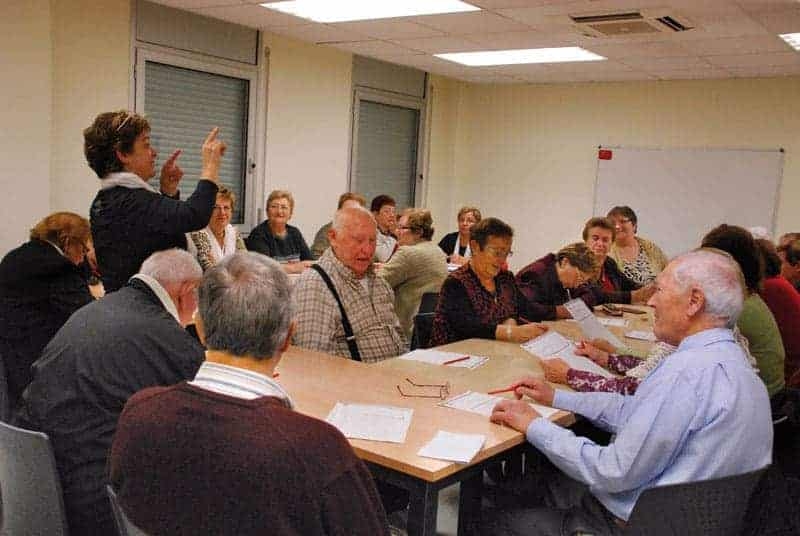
182, 106
388, 116
192, 74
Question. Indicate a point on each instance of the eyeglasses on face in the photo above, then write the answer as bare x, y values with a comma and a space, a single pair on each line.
276, 206
223, 208
498, 253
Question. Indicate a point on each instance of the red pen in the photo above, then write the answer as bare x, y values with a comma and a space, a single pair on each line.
456, 360
496, 391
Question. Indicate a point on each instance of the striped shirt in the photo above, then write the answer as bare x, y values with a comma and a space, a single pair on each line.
238, 382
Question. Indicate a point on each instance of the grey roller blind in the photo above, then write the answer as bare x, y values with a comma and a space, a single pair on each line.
387, 151
182, 105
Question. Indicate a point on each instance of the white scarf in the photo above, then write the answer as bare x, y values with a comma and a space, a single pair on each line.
229, 240
467, 252
126, 180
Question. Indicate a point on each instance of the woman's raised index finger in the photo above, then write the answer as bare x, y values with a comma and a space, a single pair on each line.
212, 135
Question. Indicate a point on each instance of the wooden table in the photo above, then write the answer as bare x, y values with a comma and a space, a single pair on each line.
317, 381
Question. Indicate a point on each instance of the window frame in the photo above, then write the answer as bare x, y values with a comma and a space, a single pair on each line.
253, 189
403, 101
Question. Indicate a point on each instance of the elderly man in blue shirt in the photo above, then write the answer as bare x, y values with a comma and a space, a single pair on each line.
703, 413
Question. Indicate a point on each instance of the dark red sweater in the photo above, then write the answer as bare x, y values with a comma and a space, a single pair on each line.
189, 461
784, 302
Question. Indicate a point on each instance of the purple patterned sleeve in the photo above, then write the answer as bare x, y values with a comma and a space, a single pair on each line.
584, 381
623, 363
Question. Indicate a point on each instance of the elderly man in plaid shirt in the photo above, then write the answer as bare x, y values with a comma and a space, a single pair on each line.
366, 300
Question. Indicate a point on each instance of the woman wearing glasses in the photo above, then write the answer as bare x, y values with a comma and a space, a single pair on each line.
553, 280
130, 218
40, 287
418, 266
481, 299
219, 238
639, 259
275, 238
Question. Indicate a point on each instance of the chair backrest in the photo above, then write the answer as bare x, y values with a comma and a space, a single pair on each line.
707, 507
423, 321
5, 399
31, 490
427, 304
124, 525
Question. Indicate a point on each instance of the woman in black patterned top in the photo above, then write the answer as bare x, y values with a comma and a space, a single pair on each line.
481, 299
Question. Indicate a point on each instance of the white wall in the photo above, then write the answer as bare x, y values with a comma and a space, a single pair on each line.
91, 73
527, 154
25, 94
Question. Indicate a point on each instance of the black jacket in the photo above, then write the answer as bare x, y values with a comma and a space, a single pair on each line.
292, 247
130, 224
106, 352
39, 290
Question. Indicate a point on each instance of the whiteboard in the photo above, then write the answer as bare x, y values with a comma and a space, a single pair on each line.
680, 194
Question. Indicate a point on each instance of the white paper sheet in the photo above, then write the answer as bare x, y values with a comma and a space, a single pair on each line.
552, 344
549, 343
437, 357
460, 448
483, 404
608, 321
642, 335
590, 325
375, 423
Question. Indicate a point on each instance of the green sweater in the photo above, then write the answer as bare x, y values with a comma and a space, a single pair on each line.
758, 325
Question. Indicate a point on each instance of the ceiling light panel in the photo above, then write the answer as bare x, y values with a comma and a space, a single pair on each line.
517, 57
352, 10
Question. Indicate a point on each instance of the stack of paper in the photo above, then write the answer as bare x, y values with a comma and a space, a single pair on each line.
483, 404
437, 357
553, 344
460, 448
376, 423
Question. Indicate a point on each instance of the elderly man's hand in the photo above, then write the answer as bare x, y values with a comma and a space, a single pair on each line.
535, 388
171, 174
555, 370
514, 413
213, 149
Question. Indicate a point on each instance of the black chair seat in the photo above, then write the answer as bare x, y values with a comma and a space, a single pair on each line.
707, 507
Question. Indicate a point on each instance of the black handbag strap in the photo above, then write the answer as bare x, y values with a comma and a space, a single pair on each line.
348, 329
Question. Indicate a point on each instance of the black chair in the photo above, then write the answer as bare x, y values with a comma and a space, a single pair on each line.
30, 486
423, 321
124, 525
707, 507
5, 399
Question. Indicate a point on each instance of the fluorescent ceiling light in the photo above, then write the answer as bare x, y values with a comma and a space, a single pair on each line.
793, 39
516, 57
350, 10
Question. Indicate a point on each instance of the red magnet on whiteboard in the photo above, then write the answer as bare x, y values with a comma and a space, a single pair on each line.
604, 154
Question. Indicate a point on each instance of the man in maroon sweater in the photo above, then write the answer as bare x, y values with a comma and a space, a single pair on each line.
226, 454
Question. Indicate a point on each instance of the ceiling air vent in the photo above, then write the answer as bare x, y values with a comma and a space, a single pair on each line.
629, 23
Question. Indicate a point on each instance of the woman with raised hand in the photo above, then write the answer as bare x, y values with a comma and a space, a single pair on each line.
131, 219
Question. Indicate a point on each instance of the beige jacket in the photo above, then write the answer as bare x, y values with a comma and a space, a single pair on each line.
411, 272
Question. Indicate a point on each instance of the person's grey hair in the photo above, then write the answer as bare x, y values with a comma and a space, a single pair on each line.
171, 267
342, 214
718, 275
245, 306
